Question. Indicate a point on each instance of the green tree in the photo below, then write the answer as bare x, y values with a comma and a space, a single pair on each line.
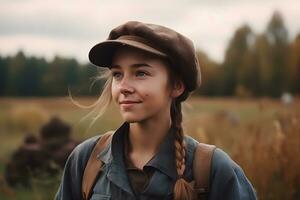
30, 78
3, 75
61, 73
261, 60
16, 66
234, 56
53, 79
295, 65
277, 36
71, 72
249, 76
88, 80
210, 76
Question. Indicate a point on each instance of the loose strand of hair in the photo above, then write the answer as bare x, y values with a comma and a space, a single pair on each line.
100, 106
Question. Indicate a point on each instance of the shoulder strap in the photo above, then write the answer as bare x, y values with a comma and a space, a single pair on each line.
94, 165
201, 167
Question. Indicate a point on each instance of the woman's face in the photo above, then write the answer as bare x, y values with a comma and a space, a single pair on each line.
140, 85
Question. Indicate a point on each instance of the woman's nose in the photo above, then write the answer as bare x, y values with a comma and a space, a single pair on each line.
126, 86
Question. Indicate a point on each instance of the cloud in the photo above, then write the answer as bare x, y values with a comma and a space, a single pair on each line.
71, 27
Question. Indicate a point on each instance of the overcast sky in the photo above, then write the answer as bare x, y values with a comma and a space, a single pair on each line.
71, 27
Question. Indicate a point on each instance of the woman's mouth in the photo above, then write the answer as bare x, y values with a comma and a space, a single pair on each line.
128, 104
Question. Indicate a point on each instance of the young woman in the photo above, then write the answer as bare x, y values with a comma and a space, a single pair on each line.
151, 70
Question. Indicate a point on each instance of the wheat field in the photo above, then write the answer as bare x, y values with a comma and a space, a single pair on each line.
261, 135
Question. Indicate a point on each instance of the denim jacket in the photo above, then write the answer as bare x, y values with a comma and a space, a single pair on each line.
228, 180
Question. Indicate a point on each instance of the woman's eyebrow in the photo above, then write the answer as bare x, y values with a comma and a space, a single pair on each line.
135, 65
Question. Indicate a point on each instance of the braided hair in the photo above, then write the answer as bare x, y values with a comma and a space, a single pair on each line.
182, 189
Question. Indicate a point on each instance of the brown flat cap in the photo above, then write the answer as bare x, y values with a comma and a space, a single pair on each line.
155, 39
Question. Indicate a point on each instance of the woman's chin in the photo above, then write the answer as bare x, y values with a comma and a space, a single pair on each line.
132, 119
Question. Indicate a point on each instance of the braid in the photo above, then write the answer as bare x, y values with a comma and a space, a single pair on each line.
182, 189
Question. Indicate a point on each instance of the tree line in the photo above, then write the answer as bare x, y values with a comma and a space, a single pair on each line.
264, 64
32, 76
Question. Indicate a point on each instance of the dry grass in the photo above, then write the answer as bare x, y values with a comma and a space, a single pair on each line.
263, 136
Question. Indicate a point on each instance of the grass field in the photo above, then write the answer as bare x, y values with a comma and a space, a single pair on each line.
261, 135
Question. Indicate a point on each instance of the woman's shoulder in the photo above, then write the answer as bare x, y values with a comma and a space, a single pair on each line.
228, 177
82, 151
86, 145
222, 161
191, 143
70, 187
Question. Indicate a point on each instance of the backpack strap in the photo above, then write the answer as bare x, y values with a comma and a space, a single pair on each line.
201, 168
93, 167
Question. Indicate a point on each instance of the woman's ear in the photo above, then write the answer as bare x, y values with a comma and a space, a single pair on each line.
178, 89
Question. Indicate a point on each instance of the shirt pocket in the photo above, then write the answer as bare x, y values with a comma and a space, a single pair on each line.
100, 197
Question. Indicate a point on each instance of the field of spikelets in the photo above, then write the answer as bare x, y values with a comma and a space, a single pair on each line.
261, 135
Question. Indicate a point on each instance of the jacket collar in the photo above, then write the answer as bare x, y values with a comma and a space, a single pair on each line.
115, 148
113, 154
164, 159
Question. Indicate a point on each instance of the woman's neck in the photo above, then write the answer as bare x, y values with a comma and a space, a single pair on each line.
145, 137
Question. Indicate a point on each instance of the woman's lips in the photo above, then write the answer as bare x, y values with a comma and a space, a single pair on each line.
128, 104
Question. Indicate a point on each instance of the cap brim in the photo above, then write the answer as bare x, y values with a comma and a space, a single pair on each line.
101, 54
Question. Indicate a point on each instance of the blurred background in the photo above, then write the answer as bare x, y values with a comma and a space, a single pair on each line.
248, 103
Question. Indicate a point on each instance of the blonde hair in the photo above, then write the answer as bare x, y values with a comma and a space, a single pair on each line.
182, 189
100, 106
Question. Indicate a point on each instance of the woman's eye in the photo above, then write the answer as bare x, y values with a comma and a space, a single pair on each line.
140, 73
116, 74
